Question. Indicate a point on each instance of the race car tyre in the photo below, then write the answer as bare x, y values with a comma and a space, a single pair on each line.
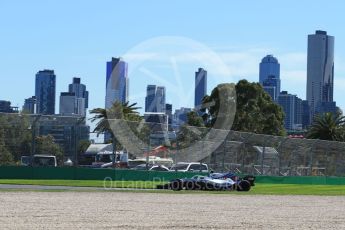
243, 186
209, 187
190, 185
176, 185
250, 178
200, 185
160, 186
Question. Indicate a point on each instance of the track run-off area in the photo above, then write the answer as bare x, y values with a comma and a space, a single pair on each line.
66, 209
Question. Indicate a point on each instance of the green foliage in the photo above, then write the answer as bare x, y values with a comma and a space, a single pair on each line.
117, 111
83, 145
219, 108
46, 145
255, 110
188, 135
193, 119
328, 126
192, 131
6, 157
251, 109
124, 111
15, 135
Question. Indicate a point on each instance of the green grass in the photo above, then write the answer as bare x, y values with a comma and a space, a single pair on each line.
85, 183
297, 189
259, 189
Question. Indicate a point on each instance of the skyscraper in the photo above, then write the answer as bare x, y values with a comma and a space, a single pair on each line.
30, 105
320, 72
79, 90
271, 90
75, 101
117, 85
292, 106
67, 103
168, 112
150, 104
305, 114
269, 75
160, 99
272, 86
200, 87
116, 82
180, 116
45, 92
155, 99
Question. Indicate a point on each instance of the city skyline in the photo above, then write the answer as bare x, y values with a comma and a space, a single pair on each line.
267, 72
155, 99
45, 92
320, 72
75, 101
269, 76
84, 53
116, 86
200, 90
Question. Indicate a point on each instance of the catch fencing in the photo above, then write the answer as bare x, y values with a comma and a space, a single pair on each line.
222, 150
241, 152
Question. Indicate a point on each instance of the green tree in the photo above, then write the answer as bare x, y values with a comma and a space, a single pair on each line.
82, 146
255, 110
188, 135
116, 111
47, 145
192, 131
124, 111
219, 107
6, 157
193, 119
328, 126
16, 134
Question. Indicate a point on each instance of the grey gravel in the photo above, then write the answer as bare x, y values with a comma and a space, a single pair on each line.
127, 210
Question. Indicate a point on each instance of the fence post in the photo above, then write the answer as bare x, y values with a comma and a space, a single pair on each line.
223, 160
33, 139
279, 154
76, 138
75, 144
262, 158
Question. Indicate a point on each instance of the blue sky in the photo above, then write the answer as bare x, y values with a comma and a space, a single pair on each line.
76, 38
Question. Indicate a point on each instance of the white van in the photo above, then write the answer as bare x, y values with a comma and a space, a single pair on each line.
152, 160
189, 167
39, 160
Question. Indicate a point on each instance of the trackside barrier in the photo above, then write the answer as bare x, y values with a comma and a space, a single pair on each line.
71, 173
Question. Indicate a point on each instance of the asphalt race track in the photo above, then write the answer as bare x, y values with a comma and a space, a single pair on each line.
128, 210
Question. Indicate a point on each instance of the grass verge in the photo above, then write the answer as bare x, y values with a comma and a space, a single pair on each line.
86, 183
259, 189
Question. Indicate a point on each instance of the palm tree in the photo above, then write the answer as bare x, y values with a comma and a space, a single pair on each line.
328, 126
124, 111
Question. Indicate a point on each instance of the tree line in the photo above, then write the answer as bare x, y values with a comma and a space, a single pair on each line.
16, 138
246, 104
